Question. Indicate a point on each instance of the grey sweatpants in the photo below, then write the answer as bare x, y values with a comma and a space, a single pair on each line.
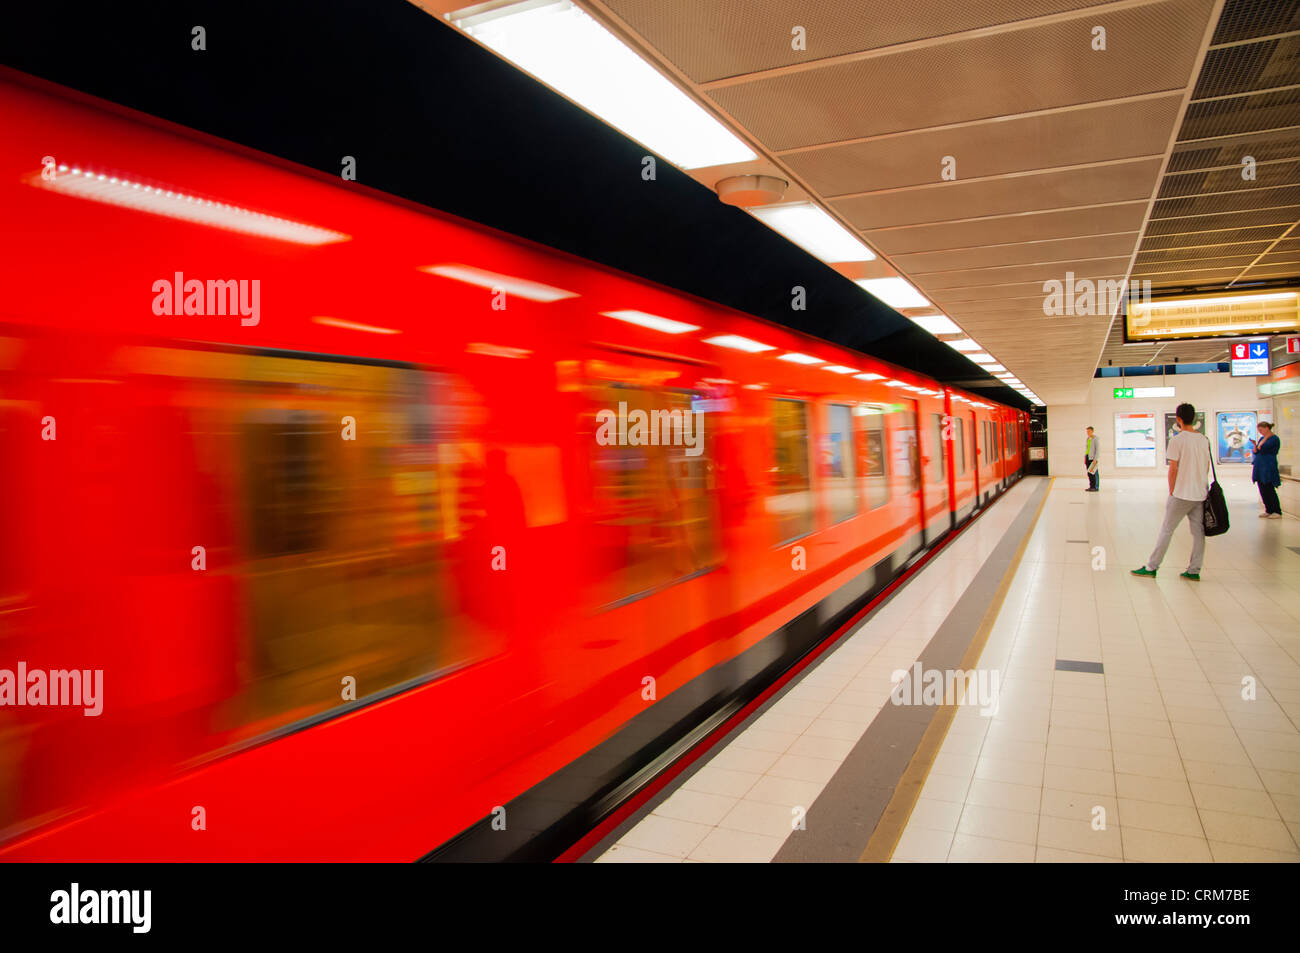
1175, 510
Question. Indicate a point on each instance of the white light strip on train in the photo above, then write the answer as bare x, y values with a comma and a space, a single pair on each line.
794, 357
353, 325
569, 51
815, 231
736, 342
652, 321
532, 290
183, 206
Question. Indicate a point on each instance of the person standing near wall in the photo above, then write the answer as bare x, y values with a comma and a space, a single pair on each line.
1264, 471
1090, 451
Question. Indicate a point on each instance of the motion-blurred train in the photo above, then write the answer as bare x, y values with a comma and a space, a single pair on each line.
371, 532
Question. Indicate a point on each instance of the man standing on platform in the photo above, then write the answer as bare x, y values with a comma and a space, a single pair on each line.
1188, 453
1091, 463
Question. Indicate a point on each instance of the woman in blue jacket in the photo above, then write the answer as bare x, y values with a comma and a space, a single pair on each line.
1264, 472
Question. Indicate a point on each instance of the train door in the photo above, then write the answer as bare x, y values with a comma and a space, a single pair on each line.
649, 436
906, 474
936, 518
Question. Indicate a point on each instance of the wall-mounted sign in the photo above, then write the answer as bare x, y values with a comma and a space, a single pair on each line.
1123, 392
1249, 358
1293, 345
1235, 314
1135, 440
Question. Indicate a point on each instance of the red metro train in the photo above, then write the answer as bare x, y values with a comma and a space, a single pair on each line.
302, 566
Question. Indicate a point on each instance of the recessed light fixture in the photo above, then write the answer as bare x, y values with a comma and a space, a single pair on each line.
814, 230
574, 54
936, 324
897, 293
963, 344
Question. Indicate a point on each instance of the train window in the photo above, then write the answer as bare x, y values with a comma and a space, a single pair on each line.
839, 462
790, 502
331, 498
959, 453
994, 453
1011, 439
937, 474
873, 453
654, 519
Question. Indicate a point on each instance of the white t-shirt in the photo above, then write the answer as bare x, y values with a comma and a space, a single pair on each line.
1192, 451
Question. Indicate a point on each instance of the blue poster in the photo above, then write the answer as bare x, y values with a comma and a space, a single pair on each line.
1235, 436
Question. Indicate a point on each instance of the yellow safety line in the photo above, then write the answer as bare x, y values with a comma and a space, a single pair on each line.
884, 840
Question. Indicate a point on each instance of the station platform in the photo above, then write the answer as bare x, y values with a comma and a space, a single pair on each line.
1133, 719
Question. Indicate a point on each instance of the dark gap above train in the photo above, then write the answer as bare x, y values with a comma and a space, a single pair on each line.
430, 117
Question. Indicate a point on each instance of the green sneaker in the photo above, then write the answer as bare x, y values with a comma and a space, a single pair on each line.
1144, 571
1193, 576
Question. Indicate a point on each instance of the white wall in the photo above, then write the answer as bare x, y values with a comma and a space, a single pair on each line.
1210, 393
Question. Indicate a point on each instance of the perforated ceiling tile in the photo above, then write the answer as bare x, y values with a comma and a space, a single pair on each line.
1243, 19
1031, 226
1023, 253
1250, 66
1230, 179
1150, 49
1130, 180
1245, 253
710, 39
1045, 141
1270, 216
983, 277
1241, 114
1194, 239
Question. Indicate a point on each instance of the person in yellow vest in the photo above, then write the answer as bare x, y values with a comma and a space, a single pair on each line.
1090, 451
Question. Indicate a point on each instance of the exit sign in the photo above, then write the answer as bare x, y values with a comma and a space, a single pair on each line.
1123, 392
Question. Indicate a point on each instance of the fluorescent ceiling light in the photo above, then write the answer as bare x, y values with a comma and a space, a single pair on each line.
532, 290
982, 358
812, 229
869, 377
896, 292
994, 367
738, 343
652, 321
896, 384
936, 324
353, 325
794, 357
184, 206
569, 51
840, 369
963, 344
1219, 300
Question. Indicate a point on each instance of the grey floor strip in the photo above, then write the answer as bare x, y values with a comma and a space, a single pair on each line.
842, 819
1070, 665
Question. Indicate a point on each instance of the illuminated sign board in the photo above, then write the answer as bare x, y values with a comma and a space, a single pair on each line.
1249, 358
1232, 314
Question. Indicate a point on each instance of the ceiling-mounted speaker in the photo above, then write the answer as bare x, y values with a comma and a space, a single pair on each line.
748, 191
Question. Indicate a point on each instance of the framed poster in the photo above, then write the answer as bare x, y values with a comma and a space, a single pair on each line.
1235, 436
1170, 419
1135, 440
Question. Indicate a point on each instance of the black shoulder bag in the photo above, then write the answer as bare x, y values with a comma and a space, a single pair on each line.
1216, 507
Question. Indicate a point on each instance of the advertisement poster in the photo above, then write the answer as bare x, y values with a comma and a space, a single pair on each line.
1170, 429
1135, 440
1236, 436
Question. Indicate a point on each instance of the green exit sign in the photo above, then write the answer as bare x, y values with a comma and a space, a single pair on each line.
1123, 392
